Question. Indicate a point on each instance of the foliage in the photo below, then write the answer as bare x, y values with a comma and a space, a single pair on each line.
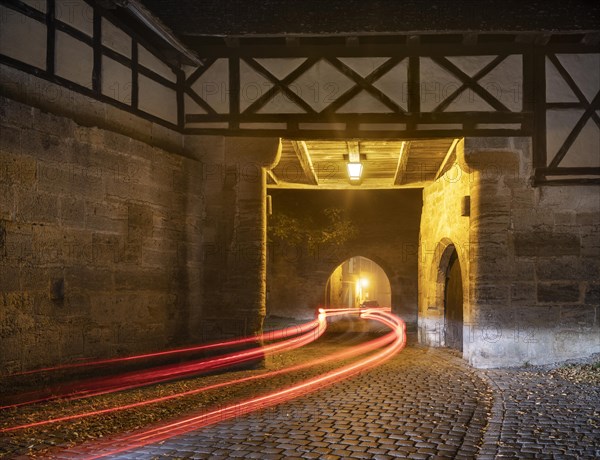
333, 227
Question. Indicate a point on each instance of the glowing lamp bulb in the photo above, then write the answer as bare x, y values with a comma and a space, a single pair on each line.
355, 171
364, 282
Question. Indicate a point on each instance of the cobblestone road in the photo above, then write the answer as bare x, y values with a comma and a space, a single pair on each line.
540, 415
424, 403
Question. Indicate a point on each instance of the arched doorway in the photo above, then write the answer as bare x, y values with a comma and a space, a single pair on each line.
358, 280
453, 303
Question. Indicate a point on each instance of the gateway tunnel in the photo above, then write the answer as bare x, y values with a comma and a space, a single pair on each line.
320, 219
196, 198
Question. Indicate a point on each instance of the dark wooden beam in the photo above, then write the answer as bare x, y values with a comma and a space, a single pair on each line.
470, 38
50, 36
591, 39
363, 84
543, 39
293, 42
97, 43
573, 181
134, 74
352, 41
470, 82
180, 99
570, 171
538, 65
234, 92
281, 85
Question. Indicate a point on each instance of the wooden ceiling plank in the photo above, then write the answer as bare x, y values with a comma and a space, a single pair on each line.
402, 162
446, 158
272, 176
305, 161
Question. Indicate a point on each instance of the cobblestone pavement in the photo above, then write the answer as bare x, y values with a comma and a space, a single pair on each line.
424, 403
540, 415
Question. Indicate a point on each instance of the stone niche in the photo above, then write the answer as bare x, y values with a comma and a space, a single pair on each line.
529, 259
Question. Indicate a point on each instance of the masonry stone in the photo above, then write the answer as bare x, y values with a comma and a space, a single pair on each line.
558, 292
592, 294
577, 316
546, 244
79, 219
529, 249
523, 293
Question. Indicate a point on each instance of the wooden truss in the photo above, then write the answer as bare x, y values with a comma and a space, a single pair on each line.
466, 72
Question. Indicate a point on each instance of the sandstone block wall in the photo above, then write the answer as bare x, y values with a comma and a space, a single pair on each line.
233, 249
100, 239
530, 263
443, 227
535, 267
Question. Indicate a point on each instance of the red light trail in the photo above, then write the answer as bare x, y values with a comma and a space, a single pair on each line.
352, 352
268, 336
95, 387
393, 342
168, 430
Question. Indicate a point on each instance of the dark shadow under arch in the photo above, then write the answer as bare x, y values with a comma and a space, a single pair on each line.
453, 304
449, 295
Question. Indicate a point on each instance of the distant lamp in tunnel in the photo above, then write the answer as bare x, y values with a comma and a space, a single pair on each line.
355, 171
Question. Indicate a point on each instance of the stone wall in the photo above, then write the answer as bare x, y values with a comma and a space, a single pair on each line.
530, 256
388, 228
234, 233
443, 229
536, 267
100, 238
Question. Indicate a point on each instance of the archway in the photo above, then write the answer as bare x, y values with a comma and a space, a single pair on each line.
453, 303
356, 281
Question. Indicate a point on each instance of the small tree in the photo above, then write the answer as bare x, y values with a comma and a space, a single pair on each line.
333, 228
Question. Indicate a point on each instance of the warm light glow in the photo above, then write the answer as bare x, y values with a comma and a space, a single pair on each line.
364, 282
355, 171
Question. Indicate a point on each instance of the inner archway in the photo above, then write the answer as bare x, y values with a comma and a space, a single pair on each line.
453, 303
357, 281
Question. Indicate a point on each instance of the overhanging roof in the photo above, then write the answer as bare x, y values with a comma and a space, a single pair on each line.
191, 18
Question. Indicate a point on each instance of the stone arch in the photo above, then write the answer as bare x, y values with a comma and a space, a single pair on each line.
449, 266
345, 287
298, 272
